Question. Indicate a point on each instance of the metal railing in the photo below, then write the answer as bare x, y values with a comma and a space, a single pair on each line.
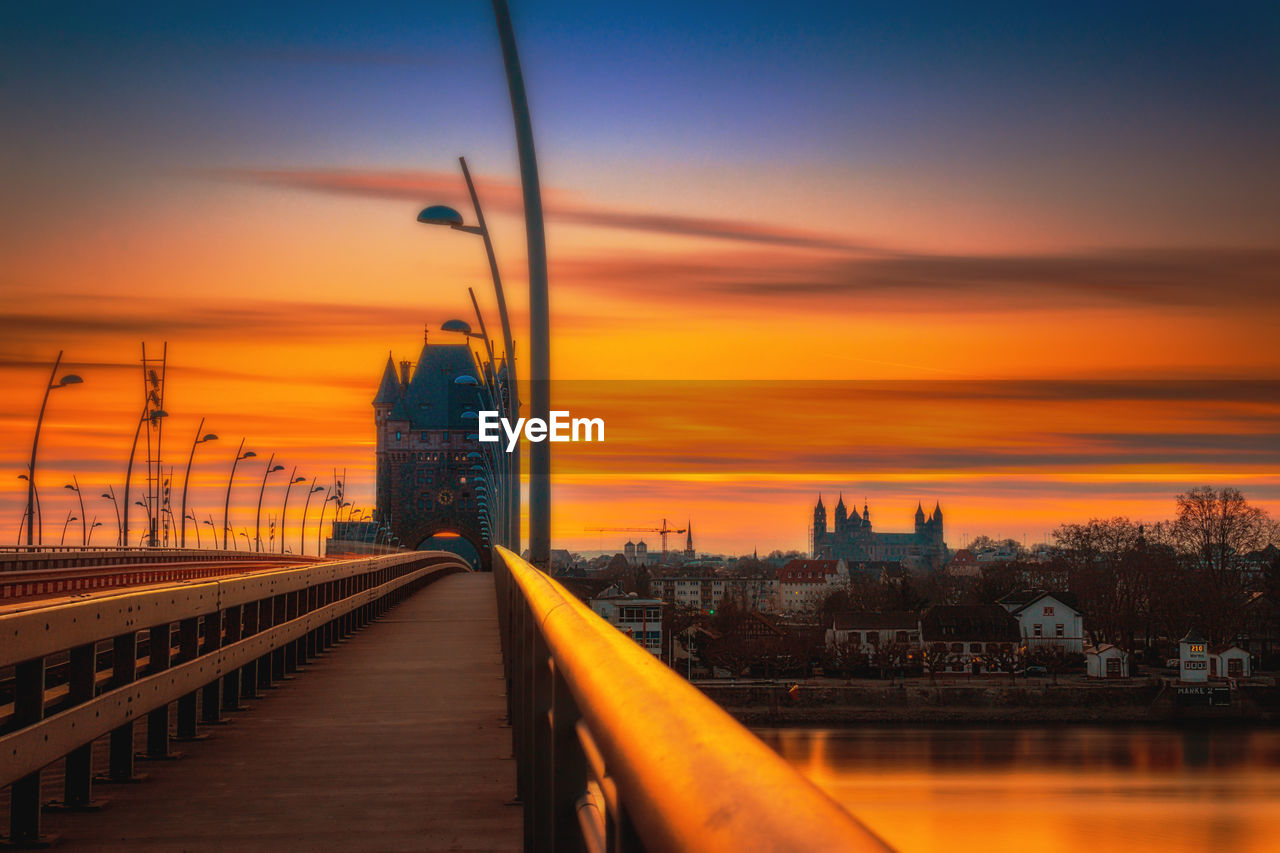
55, 557
92, 667
615, 752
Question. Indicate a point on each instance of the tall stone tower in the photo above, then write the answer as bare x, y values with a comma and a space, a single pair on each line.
425, 484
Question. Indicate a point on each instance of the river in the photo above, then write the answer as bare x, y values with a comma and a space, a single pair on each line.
1047, 789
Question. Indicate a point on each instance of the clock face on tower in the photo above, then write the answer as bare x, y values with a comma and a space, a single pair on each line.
445, 497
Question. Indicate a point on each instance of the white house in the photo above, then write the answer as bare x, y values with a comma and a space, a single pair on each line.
638, 618
1193, 657
1046, 619
1106, 661
1231, 662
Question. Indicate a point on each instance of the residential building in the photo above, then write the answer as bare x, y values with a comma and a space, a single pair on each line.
638, 618
969, 638
804, 584
1046, 619
1230, 662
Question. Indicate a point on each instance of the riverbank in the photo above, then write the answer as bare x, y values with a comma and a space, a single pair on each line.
826, 702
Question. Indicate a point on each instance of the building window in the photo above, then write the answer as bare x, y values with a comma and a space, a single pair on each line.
1039, 630
1061, 630
397, 435
976, 648
1048, 611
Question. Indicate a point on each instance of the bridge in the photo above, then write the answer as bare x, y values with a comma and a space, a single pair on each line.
194, 700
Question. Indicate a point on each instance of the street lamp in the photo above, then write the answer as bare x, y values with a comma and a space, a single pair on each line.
186, 481
257, 520
302, 537
287, 489
95, 524
320, 530
226, 507
84, 535
539, 320
110, 495
441, 215
148, 414
70, 518
68, 379
26, 515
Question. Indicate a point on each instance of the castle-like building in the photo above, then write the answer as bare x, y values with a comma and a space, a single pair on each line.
851, 538
425, 478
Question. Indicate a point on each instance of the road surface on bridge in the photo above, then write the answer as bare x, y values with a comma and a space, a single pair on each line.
394, 740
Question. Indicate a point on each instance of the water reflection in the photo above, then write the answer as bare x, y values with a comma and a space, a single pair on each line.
1042, 790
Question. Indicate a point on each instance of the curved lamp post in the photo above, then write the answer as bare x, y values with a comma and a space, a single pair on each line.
25, 517
148, 414
539, 319
320, 530
226, 507
441, 215
110, 495
186, 481
68, 379
74, 486
70, 518
95, 524
293, 479
257, 520
302, 537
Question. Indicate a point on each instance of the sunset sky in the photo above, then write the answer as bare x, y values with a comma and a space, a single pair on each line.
1019, 259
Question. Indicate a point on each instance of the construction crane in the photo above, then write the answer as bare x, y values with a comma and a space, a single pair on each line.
663, 530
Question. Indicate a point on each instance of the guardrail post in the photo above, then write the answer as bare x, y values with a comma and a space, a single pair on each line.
528, 722
188, 649
296, 648
24, 794
231, 681
278, 656
211, 698
249, 671
124, 666
541, 747
265, 663
77, 775
160, 639
568, 767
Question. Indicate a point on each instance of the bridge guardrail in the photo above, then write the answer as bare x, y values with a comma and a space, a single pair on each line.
617, 752
233, 635
36, 557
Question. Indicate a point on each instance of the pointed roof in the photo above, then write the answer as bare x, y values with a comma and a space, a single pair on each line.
840, 505
819, 501
919, 511
1193, 636
389, 388
937, 510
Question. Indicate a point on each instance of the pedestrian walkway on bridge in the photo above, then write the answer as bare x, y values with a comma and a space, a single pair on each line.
393, 740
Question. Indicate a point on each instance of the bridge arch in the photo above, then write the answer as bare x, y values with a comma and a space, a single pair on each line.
420, 535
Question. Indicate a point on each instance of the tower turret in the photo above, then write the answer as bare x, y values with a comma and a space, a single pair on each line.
842, 514
919, 518
819, 520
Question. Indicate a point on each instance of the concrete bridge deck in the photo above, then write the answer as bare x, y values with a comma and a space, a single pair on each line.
393, 740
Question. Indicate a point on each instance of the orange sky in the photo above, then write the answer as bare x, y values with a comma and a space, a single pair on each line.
1024, 217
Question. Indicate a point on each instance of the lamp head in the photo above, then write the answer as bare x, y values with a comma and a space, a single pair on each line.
456, 326
465, 379
71, 487
248, 454
275, 469
439, 214
70, 379
299, 479
209, 437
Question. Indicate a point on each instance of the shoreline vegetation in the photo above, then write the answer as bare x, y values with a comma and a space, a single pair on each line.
832, 703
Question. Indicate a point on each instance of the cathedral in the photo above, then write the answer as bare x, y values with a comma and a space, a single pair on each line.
851, 538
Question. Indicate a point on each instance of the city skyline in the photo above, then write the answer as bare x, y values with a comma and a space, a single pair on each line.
743, 194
